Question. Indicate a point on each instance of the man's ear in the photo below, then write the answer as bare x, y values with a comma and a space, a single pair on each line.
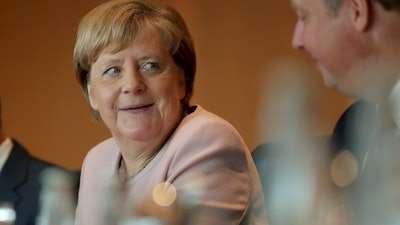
91, 99
360, 13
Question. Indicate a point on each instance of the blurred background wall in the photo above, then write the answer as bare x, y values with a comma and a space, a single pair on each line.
236, 43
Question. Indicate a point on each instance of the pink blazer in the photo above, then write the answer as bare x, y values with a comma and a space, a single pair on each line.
204, 152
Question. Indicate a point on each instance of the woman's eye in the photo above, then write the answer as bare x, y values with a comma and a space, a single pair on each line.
150, 67
112, 71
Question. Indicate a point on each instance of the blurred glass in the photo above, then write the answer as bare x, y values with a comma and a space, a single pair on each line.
7, 213
56, 198
142, 221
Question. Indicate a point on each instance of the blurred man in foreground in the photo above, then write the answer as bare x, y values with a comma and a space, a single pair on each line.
356, 47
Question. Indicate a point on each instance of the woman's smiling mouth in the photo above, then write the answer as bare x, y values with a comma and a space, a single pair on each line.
137, 108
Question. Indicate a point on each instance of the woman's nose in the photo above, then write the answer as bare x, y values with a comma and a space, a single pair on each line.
133, 83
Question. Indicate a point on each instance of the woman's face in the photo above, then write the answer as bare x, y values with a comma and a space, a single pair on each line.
138, 90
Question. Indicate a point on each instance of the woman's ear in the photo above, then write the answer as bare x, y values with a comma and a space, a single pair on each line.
360, 14
91, 99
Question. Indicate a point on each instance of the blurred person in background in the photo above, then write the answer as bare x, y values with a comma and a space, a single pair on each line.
20, 181
136, 63
356, 47
359, 54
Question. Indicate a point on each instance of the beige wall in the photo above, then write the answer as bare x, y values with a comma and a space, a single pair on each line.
236, 43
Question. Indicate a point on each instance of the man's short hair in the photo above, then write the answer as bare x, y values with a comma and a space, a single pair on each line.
334, 5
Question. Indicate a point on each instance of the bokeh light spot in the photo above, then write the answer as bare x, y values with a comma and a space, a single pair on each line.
164, 194
344, 169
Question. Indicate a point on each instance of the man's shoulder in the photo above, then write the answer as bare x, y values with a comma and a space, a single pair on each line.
354, 126
359, 114
21, 153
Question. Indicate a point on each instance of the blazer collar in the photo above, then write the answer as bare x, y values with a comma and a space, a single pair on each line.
14, 173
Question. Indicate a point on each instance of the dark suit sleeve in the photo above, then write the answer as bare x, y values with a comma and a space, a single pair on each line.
354, 128
20, 183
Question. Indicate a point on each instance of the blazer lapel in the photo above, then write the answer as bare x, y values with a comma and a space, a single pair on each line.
14, 174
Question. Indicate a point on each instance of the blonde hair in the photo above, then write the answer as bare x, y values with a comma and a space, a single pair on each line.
1, 121
116, 21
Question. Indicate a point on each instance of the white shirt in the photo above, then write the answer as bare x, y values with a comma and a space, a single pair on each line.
394, 104
394, 99
5, 149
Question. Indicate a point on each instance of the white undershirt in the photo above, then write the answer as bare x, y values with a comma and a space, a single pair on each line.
5, 149
394, 99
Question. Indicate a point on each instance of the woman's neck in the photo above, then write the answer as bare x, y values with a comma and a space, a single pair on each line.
129, 169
